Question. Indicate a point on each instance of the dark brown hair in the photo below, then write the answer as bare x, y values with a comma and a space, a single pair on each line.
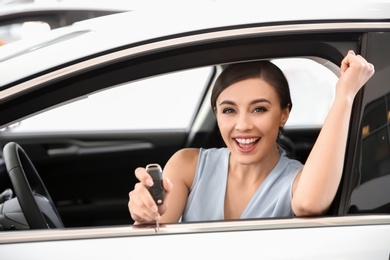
265, 70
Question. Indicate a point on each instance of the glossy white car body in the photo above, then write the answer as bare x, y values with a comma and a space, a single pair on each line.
361, 236
320, 238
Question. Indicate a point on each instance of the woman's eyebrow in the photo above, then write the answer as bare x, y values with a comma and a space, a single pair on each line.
227, 102
259, 100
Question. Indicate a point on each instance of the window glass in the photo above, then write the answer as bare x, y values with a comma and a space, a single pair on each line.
162, 102
372, 192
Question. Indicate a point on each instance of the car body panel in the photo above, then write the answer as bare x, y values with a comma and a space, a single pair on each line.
104, 37
89, 173
299, 238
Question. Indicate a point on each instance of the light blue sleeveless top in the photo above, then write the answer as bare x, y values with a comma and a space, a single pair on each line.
207, 194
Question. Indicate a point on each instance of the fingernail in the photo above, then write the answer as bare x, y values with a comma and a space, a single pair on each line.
149, 182
154, 209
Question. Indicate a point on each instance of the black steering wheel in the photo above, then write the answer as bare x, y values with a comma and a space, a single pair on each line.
34, 199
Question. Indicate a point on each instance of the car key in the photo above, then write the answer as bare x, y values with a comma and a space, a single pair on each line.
157, 190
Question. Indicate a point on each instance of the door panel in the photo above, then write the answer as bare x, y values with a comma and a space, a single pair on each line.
89, 177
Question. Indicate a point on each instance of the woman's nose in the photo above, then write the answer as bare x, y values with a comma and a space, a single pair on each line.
244, 123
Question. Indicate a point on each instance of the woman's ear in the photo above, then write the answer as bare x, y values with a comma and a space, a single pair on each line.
284, 117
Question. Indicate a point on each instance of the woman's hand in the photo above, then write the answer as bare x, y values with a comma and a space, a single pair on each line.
141, 205
355, 72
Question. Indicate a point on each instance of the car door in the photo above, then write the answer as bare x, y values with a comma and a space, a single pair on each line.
89, 171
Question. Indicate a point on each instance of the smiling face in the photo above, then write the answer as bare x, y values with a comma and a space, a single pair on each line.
249, 116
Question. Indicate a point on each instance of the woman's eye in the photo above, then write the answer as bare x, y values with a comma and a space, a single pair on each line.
260, 109
227, 111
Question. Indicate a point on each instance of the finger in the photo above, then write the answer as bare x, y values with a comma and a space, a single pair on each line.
141, 215
141, 205
345, 63
167, 184
143, 176
362, 66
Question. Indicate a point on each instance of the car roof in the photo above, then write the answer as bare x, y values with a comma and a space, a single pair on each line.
16, 9
97, 35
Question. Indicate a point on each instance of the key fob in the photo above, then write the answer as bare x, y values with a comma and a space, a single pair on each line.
157, 190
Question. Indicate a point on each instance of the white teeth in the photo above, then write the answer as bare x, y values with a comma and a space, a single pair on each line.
246, 141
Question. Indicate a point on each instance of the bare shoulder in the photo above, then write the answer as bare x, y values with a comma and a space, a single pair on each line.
187, 155
182, 165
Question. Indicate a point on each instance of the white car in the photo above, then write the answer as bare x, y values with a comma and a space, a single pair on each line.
83, 106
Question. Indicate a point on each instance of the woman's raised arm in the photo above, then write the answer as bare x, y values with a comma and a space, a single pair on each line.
316, 186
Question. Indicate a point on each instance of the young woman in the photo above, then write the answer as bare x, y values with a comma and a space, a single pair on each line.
253, 177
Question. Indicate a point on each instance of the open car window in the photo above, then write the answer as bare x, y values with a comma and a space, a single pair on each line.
144, 104
124, 107
312, 88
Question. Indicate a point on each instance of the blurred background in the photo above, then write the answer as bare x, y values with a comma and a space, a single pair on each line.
20, 19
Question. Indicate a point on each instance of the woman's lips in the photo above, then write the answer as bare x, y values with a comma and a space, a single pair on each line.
246, 145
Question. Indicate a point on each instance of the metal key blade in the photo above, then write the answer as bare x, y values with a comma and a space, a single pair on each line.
157, 223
